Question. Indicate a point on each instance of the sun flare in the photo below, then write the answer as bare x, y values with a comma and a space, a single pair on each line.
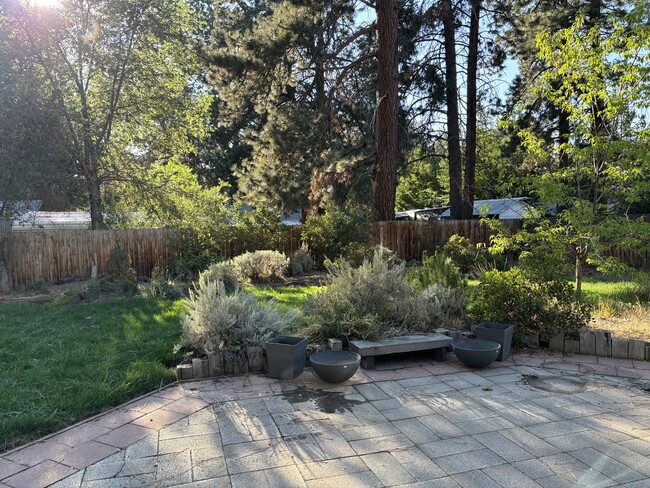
45, 3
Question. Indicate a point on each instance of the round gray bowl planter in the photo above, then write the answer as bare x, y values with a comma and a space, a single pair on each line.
476, 353
335, 366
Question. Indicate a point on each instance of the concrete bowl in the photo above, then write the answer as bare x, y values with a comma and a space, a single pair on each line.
335, 366
476, 353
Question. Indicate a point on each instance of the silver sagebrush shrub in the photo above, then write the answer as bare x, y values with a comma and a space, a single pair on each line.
260, 266
373, 301
215, 319
224, 272
301, 261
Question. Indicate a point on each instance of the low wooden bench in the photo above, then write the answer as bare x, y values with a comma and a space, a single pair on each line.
422, 342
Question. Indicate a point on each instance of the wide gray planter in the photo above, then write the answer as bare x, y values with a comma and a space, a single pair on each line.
335, 366
286, 356
476, 353
501, 333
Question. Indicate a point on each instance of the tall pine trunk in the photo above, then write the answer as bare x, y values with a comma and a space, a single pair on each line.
470, 141
453, 129
385, 177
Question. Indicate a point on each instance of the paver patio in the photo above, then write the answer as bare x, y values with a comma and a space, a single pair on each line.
413, 423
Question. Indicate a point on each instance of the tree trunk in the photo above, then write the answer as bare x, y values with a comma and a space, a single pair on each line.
563, 128
470, 141
578, 276
96, 205
385, 177
453, 130
4, 264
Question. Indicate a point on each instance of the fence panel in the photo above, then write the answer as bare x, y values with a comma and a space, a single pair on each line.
409, 238
52, 255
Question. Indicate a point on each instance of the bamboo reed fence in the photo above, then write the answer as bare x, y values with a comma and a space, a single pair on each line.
53, 255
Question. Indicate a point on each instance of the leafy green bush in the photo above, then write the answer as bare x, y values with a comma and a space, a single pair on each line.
224, 272
437, 270
261, 228
301, 261
472, 259
215, 319
189, 258
369, 302
338, 232
531, 305
461, 251
260, 266
118, 266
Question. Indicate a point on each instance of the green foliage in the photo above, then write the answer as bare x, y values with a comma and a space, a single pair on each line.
437, 269
282, 125
180, 202
595, 75
215, 319
461, 252
337, 232
99, 61
118, 266
642, 286
424, 183
531, 305
188, 259
374, 301
301, 261
260, 228
260, 266
224, 272
471, 259
160, 287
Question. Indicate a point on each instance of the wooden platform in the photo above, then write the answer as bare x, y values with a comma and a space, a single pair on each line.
421, 342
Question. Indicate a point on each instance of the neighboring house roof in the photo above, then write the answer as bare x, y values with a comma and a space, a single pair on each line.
503, 208
52, 221
431, 213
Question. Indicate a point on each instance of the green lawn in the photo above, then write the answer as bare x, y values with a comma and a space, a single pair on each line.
615, 291
287, 297
58, 370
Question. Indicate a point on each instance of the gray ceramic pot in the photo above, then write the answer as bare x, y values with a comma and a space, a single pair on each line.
476, 353
335, 366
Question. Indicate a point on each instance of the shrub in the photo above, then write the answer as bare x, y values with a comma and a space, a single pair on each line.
437, 270
301, 261
224, 272
642, 286
189, 261
472, 259
215, 319
461, 252
336, 232
437, 306
369, 302
118, 266
260, 228
537, 306
160, 286
260, 266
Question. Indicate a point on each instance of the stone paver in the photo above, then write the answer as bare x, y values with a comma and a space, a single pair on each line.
414, 423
